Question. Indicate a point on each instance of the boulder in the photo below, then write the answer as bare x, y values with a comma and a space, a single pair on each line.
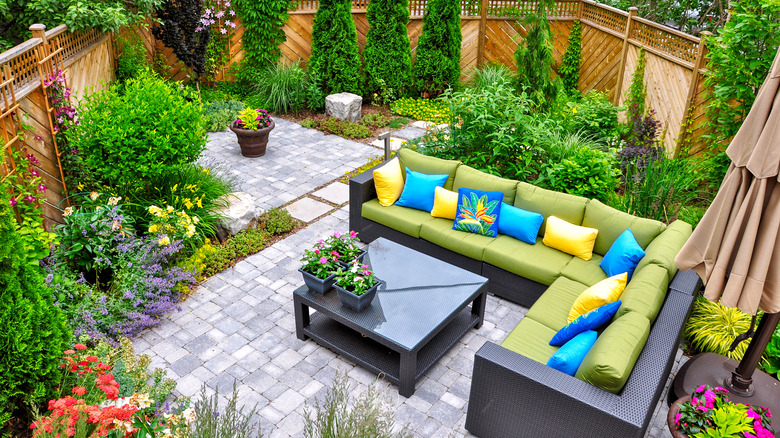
344, 106
239, 212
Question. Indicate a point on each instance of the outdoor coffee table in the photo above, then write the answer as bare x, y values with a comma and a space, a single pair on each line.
418, 314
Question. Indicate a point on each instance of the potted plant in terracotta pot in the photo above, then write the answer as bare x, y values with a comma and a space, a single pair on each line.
709, 413
320, 266
252, 128
356, 286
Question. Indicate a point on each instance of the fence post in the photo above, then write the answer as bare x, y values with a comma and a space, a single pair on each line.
701, 54
39, 31
482, 33
621, 72
580, 7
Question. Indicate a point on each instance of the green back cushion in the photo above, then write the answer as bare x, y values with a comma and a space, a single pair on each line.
405, 220
471, 178
531, 339
664, 248
611, 223
568, 207
428, 165
611, 360
645, 292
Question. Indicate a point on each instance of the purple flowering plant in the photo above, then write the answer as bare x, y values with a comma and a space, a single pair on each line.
320, 261
253, 119
357, 279
710, 413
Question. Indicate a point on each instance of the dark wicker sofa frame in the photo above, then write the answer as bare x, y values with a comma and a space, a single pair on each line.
514, 396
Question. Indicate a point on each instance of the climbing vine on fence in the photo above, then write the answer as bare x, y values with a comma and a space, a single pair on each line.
569, 71
263, 21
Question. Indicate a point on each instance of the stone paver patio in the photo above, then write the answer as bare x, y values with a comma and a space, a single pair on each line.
239, 325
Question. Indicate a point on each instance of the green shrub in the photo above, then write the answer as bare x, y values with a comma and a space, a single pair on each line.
569, 71
140, 133
387, 54
375, 120
33, 334
335, 61
636, 96
713, 327
278, 221
691, 214
490, 75
342, 128
281, 88
534, 58
397, 122
131, 61
434, 111
595, 116
437, 65
585, 172
220, 114
263, 22
772, 355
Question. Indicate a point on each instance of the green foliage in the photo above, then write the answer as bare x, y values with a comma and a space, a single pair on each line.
490, 75
636, 95
397, 122
594, 116
372, 161
342, 128
131, 61
33, 333
437, 64
214, 420
142, 131
434, 111
280, 88
221, 113
335, 61
375, 120
730, 421
217, 53
690, 17
691, 214
341, 415
585, 172
263, 33
534, 58
713, 327
235, 249
569, 71
387, 54
772, 355
277, 221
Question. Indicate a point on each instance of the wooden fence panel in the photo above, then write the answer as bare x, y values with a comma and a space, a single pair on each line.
599, 69
94, 69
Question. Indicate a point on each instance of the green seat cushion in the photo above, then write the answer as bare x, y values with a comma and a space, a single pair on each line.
539, 263
645, 293
586, 272
440, 232
531, 339
611, 360
664, 248
471, 178
405, 220
612, 222
548, 203
428, 165
552, 308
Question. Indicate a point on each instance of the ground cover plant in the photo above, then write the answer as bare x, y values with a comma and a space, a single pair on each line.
342, 128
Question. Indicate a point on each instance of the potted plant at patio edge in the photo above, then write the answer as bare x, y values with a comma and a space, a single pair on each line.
252, 128
709, 412
319, 269
356, 287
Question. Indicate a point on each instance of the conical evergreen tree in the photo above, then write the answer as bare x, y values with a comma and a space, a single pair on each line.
335, 60
387, 54
437, 66
33, 333
534, 58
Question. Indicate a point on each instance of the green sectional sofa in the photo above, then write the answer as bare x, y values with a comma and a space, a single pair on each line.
513, 392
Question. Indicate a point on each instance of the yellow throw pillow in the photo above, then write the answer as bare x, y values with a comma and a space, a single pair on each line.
569, 238
389, 182
604, 292
445, 203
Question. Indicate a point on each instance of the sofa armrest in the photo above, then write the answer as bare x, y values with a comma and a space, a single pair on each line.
686, 282
361, 189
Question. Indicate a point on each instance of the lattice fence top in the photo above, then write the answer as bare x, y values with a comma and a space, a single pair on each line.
468, 8
609, 18
23, 63
72, 43
679, 45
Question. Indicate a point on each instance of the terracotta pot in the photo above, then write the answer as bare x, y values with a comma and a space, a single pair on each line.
253, 142
673, 410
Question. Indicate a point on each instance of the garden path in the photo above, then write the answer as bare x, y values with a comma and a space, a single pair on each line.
239, 325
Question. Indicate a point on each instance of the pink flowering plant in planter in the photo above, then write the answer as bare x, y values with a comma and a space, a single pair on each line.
345, 244
253, 119
358, 279
710, 414
320, 261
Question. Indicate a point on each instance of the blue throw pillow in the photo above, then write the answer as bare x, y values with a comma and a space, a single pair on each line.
518, 223
623, 256
592, 320
419, 189
569, 357
478, 212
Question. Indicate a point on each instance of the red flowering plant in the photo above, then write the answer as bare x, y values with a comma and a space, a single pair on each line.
710, 413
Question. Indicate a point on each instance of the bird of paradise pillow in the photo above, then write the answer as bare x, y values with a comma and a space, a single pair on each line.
478, 212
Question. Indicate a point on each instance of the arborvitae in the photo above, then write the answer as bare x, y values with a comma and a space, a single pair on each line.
437, 66
335, 60
33, 333
534, 58
569, 70
387, 54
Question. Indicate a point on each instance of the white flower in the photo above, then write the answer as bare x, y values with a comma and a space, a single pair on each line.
68, 212
189, 415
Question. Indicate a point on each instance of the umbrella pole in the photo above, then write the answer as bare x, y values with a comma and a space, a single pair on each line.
741, 380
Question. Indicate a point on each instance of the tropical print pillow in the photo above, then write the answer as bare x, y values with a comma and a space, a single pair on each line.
478, 212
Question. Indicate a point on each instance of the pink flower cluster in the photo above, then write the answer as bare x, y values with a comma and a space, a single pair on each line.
219, 13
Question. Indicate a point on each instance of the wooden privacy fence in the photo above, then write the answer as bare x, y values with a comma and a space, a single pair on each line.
87, 59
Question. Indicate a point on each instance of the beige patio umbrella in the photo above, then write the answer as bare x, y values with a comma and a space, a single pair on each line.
736, 250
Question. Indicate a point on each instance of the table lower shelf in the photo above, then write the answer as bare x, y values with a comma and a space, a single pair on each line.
379, 358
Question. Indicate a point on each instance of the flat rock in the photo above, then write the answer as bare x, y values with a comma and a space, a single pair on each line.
409, 133
344, 106
239, 213
307, 209
337, 193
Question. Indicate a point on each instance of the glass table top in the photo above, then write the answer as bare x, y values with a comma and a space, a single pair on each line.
417, 294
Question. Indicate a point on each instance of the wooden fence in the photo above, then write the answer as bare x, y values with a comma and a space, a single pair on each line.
88, 61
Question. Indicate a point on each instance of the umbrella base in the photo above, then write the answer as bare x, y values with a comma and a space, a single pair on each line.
713, 369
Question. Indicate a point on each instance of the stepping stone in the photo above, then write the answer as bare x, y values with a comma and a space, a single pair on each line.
307, 209
395, 143
337, 193
409, 133
421, 124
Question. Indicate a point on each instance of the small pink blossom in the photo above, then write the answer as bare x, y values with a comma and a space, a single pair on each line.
353, 234
323, 260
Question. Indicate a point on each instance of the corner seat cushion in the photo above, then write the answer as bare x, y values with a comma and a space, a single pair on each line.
611, 359
531, 339
471, 178
611, 223
428, 165
585, 272
664, 248
405, 220
552, 308
645, 292
537, 262
548, 203
439, 231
